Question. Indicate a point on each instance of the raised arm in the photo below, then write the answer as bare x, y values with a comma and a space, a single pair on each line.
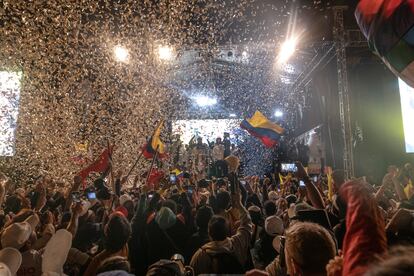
74, 219
312, 192
399, 190
386, 181
41, 200
77, 181
241, 240
365, 229
139, 213
2, 192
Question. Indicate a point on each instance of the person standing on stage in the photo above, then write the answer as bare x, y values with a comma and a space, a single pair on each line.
218, 158
199, 159
227, 144
178, 152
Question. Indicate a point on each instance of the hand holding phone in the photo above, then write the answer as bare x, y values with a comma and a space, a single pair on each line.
75, 197
190, 190
91, 195
233, 184
173, 178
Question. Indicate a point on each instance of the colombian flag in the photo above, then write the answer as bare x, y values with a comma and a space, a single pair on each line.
178, 173
155, 144
259, 126
389, 27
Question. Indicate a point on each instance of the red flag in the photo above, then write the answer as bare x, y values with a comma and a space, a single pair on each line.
100, 165
155, 178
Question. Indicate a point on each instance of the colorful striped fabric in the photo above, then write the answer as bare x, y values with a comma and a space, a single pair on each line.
259, 126
389, 27
155, 144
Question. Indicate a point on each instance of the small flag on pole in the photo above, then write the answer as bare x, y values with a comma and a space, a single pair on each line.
155, 144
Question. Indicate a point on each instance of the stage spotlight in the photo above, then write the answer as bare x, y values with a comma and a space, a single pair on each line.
165, 52
287, 50
121, 54
204, 101
278, 113
232, 115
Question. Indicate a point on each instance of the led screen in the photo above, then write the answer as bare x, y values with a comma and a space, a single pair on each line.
9, 110
407, 108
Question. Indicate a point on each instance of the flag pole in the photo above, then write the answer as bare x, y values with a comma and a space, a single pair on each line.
133, 166
110, 164
152, 164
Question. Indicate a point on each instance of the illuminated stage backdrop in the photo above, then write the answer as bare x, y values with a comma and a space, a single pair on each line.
9, 109
208, 129
407, 108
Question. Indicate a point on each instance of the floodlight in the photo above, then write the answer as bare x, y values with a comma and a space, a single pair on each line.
204, 101
121, 53
278, 113
287, 50
165, 52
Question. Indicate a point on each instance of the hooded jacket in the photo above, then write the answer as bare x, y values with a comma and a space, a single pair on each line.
166, 235
238, 245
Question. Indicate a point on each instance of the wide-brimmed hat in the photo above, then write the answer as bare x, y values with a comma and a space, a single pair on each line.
274, 226
18, 233
10, 261
56, 252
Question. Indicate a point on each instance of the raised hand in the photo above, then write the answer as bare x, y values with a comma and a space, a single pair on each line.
301, 172
76, 209
334, 267
77, 181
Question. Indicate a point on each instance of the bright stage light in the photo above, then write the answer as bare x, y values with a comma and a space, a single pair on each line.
287, 50
121, 54
278, 113
165, 52
204, 101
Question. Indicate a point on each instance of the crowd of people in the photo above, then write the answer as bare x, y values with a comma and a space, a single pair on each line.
197, 226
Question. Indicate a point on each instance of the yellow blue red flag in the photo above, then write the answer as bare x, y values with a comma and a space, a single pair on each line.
155, 144
259, 126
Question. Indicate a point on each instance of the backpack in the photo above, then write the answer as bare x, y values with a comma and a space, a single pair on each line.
225, 263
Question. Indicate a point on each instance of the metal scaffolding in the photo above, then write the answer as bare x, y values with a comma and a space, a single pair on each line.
340, 38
